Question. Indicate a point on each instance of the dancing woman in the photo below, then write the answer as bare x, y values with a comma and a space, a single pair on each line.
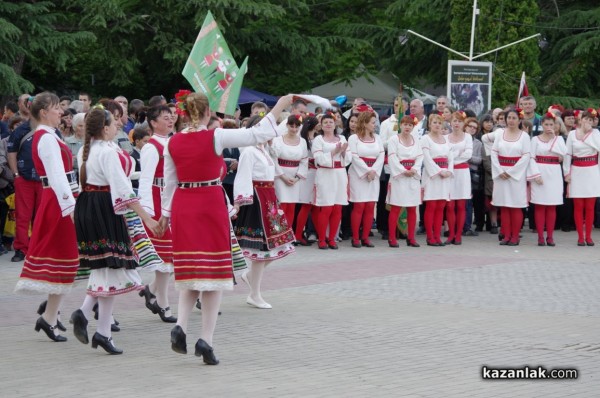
104, 242
160, 121
52, 260
194, 202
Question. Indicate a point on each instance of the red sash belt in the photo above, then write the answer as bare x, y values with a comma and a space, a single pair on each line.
263, 184
288, 163
547, 159
336, 165
407, 163
508, 161
311, 164
97, 188
585, 161
369, 161
461, 166
385, 159
441, 162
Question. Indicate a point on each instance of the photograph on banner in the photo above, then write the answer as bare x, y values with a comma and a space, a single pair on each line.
470, 85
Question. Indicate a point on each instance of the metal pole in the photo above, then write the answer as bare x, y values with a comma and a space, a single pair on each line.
506, 45
437, 44
475, 12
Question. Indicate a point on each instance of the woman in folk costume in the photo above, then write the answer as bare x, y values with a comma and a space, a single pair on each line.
151, 185
461, 144
405, 158
436, 181
510, 158
367, 163
307, 185
291, 166
102, 235
583, 175
52, 260
194, 202
547, 151
332, 155
262, 228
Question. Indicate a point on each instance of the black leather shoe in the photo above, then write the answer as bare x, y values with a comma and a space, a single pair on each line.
19, 256
148, 296
356, 243
114, 327
206, 352
106, 343
80, 326
412, 243
161, 313
392, 244
42, 308
178, 343
367, 243
49, 330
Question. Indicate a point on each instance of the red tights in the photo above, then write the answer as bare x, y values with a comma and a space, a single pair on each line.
545, 218
329, 215
581, 205
456, 214
303, 217
512, 220
434, 216
362, 214
411, 215
289, 209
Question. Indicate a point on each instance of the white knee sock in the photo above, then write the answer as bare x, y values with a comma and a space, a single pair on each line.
211, 302
187, 300
87, 307
257, 269
105, 309
51, 313
161, 290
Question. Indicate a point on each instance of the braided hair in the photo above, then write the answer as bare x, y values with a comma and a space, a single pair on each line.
95, 121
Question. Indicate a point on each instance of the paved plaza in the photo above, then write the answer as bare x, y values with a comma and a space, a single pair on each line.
382, 322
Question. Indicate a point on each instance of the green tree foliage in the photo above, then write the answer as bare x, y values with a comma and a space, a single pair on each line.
32, 35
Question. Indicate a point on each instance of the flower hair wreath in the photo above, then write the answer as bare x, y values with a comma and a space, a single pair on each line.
180, 106
520, 112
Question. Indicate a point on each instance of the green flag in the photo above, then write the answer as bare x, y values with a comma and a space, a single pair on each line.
211, 69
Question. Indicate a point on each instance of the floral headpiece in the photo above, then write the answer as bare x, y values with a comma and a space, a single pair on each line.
520, 112
180, 105
262, 113
593, 112
462, 113
550, 115
440, 113
299, 117
559, 108
331, 114
364, 108
414, 118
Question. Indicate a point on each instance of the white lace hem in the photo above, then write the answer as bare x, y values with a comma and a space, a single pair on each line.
26, 286
205, 285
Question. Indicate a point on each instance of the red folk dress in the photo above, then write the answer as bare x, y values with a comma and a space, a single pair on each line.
52, 259
152, 185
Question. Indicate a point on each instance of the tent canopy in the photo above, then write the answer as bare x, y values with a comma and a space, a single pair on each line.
380, 89
249, 96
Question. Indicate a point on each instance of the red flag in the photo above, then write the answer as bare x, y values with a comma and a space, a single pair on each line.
523, 91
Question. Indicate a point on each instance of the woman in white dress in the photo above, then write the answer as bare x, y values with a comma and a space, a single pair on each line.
307, 185
583, 175
291, 166
461, 144
405, 158
367, 163
104, 243
510, 158
331, 158
262, 229
547, 151
438, 168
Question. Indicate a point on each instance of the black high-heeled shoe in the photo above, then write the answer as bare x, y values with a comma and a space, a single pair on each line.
148, 296
114, 327
106, 343
49, 330
42, 308
178, 342
161, 313
80, 323
206, 352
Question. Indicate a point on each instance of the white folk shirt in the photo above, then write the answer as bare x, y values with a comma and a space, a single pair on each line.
281, 153
149, 158
585, 181
331, 183
513, 191
385, 133
551, 191
460, 186
361, 189
434, 186
255, 164
404, 190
